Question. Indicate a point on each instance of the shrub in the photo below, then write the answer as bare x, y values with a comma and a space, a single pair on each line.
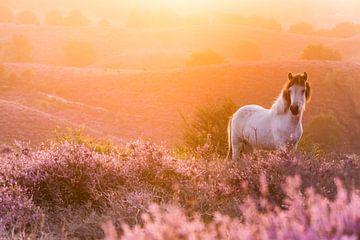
205, 58
248, 50
302, 28
79, 54
75, 19
208, 126
323, 132
77, 136
27, 17
6, 14
104, 23
320, 52
18, 49
54, 18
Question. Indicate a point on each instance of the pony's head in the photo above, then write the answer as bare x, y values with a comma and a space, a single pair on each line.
296, 93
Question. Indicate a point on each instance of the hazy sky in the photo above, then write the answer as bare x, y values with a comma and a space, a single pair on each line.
320, 12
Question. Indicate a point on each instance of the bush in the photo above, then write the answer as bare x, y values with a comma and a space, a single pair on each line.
79, 54
54, 18
320, 52
302, 28
248, 50
18, 49
208, 127
77, 136
323, 132
104, 23
75, 19
205, 58
27, 17
6, 14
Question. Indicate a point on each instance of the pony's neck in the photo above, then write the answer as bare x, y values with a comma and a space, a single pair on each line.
280, 106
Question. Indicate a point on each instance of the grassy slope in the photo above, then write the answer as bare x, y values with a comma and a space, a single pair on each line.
147, 103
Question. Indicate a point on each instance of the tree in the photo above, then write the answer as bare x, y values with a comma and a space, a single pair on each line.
301, 28
54, 18
18, 49
75, 18
27, 17
6, 14
79, 54
320, 52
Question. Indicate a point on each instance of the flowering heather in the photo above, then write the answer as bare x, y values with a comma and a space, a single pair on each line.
68, 190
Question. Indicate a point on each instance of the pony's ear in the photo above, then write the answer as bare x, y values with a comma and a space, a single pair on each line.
290, 76
307, 92
305, 76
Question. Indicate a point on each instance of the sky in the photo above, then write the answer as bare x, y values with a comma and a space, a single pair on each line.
319, 12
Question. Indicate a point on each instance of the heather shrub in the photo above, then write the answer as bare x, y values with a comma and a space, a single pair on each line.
75, 19
54, 18
207, 57
68, 175
27, 17
18, 49
79, 54
208, 126
6, 14
77, 188
307, 216
302, 28
248, 50
320, 52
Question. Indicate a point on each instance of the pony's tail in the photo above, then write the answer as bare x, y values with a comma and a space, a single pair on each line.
229, 139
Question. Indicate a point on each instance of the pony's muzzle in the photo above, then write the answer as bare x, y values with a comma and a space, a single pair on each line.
294, 109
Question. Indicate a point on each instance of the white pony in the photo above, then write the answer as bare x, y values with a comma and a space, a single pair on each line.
279, 127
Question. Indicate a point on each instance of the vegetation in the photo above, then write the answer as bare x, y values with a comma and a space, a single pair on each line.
77, 136
207, 57
79, 54
248, 51
6, 14
75, 19
27, 17
54, 18
302, 28
208, 127
320, 52
104, 23
68, 188
323, 132
18, 49
253, 21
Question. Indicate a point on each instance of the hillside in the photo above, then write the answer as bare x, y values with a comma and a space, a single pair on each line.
138, 103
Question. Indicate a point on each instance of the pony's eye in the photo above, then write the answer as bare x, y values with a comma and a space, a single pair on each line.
303, 91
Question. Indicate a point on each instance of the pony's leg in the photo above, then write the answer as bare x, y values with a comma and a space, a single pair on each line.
236, 148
